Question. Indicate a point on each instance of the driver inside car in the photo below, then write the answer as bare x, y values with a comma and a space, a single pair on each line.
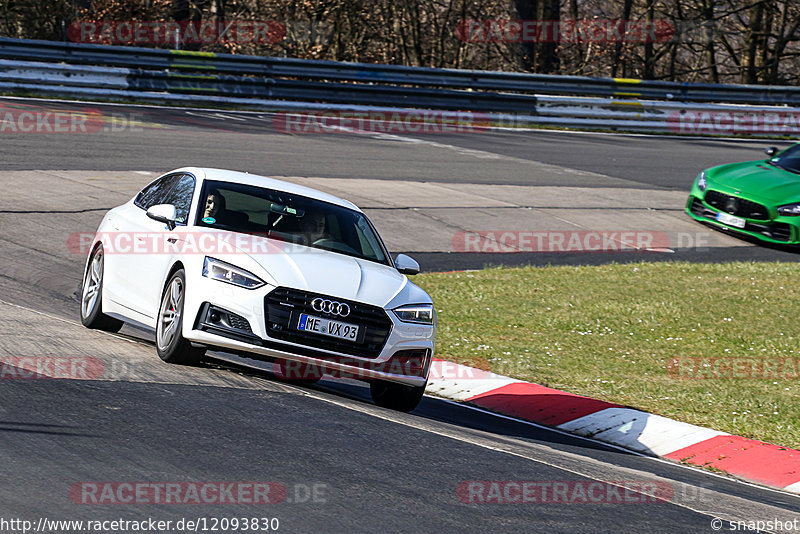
217, 212
213, 203
313, 227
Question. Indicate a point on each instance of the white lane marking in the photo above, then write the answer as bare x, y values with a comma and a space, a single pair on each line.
398, 418
413, 140
60, 319
216, 115
143, 370
95, 185
377, 109
735, 508
489, 155
629, 134
482, 154
694, 469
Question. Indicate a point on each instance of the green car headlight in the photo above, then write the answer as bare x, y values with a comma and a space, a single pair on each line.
702, 183
792, 210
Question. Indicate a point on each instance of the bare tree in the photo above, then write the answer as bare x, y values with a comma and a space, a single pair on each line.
718, 41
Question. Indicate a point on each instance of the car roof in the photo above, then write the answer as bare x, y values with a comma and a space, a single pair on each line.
236, 177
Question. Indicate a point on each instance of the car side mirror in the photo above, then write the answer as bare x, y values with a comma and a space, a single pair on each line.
406, 264
771, 151
164, 213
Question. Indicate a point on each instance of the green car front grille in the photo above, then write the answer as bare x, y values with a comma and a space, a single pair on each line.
776, 231
736, 206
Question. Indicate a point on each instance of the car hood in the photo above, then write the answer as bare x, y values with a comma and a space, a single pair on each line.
756, 179
328, 273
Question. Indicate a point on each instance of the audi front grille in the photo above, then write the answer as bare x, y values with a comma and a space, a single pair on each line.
283, 309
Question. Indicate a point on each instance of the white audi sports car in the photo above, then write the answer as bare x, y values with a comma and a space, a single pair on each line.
220, 260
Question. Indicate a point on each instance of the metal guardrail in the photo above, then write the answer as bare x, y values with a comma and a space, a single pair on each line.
270, 67
172, 76
236, 76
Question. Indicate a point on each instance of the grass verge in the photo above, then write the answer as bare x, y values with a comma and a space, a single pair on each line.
715, 345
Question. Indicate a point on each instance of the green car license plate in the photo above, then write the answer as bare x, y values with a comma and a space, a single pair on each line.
731, 220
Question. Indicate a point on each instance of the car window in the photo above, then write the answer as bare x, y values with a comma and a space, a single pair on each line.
367, 237
181, 197
156, 192
289, 217
789, 159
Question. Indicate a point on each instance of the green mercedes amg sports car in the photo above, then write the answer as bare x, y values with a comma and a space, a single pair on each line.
758, 198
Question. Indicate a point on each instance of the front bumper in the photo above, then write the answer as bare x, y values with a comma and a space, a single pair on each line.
773, 229
235, 320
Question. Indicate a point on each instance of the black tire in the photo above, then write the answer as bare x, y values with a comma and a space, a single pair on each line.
91, 295
172, 347
396, 396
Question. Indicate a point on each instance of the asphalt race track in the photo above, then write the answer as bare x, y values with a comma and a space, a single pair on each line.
337, 462
475, 181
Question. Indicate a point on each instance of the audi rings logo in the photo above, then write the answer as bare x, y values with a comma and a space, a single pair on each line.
331, 306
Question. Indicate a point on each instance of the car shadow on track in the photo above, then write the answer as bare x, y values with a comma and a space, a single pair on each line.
791, 249
430, 408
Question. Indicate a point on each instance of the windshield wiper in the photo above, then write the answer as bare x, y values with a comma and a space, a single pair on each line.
789, 169
774, 164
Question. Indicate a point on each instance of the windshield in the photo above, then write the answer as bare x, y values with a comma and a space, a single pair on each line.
288, 217
789, 159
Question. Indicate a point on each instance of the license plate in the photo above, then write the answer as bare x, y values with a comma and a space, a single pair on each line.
731, 220
327, 327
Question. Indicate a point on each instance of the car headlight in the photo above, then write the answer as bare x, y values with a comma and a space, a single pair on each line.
790, 209
416, 313
702, 183
225, 272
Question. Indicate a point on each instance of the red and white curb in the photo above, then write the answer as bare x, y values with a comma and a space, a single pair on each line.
748, 459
